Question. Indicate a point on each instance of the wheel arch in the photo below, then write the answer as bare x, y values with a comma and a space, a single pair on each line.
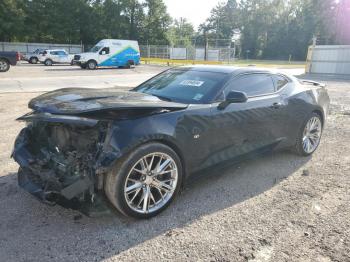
5, 59
321, 114
168, 141
92, 60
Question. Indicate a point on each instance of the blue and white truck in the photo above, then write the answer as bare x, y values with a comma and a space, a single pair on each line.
110, 53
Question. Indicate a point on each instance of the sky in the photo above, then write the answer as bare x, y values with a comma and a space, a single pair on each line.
195, 11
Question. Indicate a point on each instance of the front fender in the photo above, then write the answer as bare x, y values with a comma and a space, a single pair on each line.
124, 136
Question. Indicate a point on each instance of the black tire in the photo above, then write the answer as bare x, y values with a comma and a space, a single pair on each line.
116, 178
91, 65
4, 65
129, 64
83, 66
48, 62
33, 60
298, 147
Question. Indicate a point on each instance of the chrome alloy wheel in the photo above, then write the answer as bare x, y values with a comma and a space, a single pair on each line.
3, 65
312, 134
151, 183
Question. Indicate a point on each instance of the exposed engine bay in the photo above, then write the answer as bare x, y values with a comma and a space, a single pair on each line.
62, 160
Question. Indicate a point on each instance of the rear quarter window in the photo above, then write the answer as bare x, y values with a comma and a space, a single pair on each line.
252, 85
279, 81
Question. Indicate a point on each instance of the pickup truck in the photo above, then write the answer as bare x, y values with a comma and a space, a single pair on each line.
7, 59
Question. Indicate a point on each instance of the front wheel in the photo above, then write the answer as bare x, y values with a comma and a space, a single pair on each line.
145, 182
91, 65
4, 65
309, 136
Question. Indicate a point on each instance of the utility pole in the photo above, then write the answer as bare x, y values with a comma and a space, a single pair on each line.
206, 46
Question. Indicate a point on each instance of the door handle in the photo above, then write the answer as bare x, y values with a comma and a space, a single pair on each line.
276, 105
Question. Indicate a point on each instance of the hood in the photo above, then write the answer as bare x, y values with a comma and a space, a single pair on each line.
86, 54
73, 101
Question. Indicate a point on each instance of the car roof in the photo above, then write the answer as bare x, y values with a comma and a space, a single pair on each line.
55, 50
234, 70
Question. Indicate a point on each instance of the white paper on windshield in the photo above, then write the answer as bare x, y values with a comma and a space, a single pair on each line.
198, 97
195, 83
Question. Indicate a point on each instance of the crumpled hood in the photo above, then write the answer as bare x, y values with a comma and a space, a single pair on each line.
83, 100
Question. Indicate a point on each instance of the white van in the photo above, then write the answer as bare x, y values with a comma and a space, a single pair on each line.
110, 53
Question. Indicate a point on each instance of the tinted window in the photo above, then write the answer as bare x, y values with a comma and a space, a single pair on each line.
187, 86
252, 85
280, 81
53, 53
106, 49
61, 53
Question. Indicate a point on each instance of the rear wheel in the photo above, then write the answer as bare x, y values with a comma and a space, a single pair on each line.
4, 65
145, 182
309, 136
48, 62
91, 65
129, 64
33, 60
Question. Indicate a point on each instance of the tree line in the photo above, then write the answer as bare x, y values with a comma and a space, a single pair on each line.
261, 29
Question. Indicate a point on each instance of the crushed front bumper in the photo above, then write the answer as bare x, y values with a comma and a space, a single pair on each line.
80, 194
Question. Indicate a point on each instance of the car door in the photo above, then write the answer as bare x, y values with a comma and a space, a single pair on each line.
104, 57
256, 124
63, 57
54, 56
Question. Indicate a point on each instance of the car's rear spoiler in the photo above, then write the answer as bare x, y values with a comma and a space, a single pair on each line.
314, 83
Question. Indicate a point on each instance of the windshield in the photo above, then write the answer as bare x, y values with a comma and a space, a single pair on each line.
95, 49
184, 85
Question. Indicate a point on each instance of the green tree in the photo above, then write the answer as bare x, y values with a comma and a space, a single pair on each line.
11, 20
156, 23
181, 32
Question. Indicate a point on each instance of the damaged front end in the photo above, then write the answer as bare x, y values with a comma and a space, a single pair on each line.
59, 157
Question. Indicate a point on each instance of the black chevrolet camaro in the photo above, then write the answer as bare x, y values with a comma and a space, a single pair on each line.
133, 150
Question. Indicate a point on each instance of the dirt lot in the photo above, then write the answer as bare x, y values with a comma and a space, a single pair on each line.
261, 210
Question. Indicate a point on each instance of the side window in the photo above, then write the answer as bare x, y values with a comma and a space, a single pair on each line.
252, 85
61, 53
279, 81
53, 53
106, 49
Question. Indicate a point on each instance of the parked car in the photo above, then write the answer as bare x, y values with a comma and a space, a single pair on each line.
139, 147
58, 56
110, 53
7, 59
33, 57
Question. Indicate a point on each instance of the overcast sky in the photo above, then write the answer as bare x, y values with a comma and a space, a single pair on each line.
196, 11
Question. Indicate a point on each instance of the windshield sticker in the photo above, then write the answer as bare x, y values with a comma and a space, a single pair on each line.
192, 83
198, 97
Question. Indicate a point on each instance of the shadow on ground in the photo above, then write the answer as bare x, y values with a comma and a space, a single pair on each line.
57, 235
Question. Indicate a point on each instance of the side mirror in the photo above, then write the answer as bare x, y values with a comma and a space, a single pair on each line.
103, 52
233, 97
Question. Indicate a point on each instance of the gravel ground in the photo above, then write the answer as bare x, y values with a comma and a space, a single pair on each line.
279, 207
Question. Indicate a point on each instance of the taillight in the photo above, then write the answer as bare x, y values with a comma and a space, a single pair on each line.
18, 56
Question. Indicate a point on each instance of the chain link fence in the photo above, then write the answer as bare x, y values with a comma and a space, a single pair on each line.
188, 53
30, 47
199, 53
